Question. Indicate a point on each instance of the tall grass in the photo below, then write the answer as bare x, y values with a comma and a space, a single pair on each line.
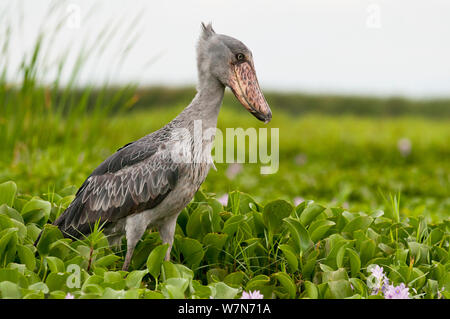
36, 112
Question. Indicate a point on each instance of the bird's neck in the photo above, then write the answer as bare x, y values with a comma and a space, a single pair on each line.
206, 104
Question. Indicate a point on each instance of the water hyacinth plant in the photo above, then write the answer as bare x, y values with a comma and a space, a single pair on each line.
380, 285
242, 250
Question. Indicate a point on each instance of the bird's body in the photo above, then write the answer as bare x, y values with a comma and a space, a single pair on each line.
148, 182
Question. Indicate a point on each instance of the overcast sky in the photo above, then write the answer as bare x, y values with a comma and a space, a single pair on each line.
385, 47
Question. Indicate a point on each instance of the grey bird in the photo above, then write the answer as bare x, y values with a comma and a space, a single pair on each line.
148, 182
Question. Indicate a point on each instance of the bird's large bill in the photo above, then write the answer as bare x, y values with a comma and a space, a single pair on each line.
245, 87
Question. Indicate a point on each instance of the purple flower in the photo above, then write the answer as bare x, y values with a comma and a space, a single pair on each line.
223, 200
69, 296
298, 200
377, 272
397, 292
252, 295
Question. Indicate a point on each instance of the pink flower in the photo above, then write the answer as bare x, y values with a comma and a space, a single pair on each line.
398, 292
300, 159
233, 169
223, 200
404, 146
69, 296
298, 200
252, 295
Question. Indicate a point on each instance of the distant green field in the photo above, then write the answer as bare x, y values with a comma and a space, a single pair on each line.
340, 160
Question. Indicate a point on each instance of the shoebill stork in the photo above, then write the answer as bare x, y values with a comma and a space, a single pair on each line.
141, 185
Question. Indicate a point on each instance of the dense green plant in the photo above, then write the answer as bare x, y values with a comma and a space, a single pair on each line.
307, 251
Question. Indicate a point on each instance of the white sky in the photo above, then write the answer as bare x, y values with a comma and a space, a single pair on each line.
384, 47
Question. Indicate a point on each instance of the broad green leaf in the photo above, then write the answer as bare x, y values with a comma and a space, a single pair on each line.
8, 245
134, 278
299, 234
355, 262
194, 228
36, 211
339, 289
8, 192
311, 290
169, 270
55, 264
106, 261
274, 213
231, 225
55, 281
155, 260
290, 256
234, 279
174, 288
310, 213
319, 228
26, 256
357, 223
9, 290
39, 286
49, 235
214, 243
223, 291
287, 283
192, 251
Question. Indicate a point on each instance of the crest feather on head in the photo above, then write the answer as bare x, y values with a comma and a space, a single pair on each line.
207, 30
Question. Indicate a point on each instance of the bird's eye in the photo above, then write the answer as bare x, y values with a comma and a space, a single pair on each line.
240, 56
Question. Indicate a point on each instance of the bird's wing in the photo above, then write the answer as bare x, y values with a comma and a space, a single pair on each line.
137, 177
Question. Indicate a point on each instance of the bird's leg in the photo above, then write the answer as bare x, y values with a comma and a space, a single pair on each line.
134, 230
130, 250
166, 232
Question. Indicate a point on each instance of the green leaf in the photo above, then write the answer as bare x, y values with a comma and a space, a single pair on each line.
134, 278
9, 290
357, 223
174, 288
26, 256
39, 286
234, 279
169, 270
339, 289
8, 245
36, 211
311, 290
290, 256
106, 261
223, 291
55, 264
55, 281
49, 235
287, 283
355, 262
319, 228
240, 203
310, 213
155, 260
194, 228
192, 251
214, 243
231, 225
299, 234
274, 213
8, 191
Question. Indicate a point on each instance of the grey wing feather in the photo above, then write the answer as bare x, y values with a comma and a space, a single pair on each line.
136, 178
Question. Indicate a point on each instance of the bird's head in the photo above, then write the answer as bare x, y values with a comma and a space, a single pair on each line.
230, 62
